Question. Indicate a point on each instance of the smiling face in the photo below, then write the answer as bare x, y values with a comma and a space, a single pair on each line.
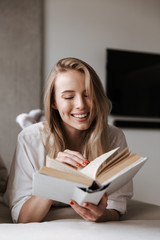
72, 101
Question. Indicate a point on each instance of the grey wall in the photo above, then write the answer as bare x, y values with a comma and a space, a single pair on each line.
20, 67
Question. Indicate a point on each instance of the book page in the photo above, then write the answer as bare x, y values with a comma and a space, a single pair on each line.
52, 163
64, 171
76, 176
112, 161
120, 179
120, 167
91, 169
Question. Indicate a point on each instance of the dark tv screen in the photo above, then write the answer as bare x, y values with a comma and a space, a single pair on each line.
133, 83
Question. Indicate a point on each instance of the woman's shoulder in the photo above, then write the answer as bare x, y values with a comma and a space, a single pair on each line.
33, 130
114, 131
116, 137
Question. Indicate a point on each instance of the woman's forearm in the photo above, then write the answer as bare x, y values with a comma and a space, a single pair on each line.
34, 209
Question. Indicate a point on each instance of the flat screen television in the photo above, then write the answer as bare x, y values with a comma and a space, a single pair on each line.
133, 84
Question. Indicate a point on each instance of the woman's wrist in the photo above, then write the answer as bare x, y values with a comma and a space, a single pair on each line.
109, 215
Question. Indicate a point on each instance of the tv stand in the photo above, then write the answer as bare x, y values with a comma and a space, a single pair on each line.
136, 124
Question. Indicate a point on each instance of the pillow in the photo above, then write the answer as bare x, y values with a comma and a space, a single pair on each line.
3, 176
26, 119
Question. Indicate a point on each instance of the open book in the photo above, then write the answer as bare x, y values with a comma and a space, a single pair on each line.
107, 173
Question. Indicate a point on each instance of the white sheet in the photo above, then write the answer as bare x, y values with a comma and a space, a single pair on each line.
78, 229
142, 221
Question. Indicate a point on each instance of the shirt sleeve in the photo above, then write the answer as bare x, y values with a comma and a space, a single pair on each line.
28, 158
118, 199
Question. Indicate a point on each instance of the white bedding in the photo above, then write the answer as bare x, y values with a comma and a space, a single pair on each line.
142, 221
78, 229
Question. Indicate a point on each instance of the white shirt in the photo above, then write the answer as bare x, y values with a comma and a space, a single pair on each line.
30, 155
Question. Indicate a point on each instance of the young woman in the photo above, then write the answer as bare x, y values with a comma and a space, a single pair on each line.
75, 132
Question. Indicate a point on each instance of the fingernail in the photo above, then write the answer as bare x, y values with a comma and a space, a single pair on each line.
87, 161
78, 165
85, 204
84, 163
71, 203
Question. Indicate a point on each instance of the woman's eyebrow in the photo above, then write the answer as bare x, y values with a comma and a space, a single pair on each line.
67, 91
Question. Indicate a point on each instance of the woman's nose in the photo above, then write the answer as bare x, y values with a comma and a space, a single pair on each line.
80, 103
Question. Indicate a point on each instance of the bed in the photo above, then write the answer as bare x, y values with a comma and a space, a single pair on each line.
142, 221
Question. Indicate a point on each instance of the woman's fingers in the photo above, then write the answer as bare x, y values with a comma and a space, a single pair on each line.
83, 212
90, 212
97, 210
72, 158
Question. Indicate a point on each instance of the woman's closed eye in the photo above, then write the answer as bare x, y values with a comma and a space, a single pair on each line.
68, 98
86, 95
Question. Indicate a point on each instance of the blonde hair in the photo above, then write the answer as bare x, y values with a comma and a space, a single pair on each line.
96, 137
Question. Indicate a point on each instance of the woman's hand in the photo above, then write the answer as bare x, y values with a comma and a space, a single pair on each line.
90, 212
73, 158
93, 213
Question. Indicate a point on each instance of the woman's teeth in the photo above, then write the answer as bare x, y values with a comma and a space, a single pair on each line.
80, 115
